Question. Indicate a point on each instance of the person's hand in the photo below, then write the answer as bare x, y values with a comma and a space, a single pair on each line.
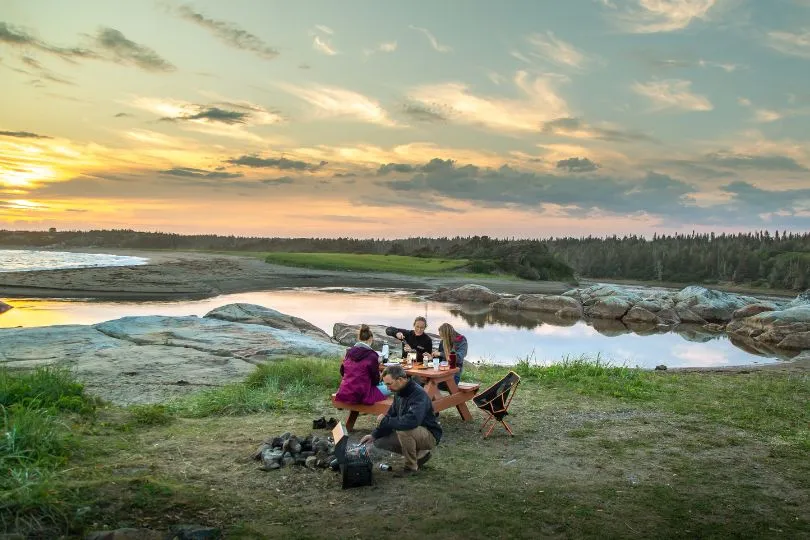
408, 348
435, 354
367, 439
400, 336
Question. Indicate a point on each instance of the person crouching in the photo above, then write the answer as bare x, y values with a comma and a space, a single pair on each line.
409, 427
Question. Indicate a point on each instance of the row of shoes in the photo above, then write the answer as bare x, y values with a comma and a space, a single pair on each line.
323, 423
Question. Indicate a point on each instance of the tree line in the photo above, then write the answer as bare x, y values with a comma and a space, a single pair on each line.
759, 258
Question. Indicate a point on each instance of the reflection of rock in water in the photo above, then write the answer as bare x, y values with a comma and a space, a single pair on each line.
527, 320
759, 349
646, 329
609, 327
695, 333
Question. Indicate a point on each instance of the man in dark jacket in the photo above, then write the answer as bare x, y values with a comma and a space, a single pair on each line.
409, 427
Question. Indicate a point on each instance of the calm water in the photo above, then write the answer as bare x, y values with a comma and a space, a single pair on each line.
493, 338
19, 260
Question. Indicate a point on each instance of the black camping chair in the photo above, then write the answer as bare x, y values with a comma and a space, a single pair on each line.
495, 400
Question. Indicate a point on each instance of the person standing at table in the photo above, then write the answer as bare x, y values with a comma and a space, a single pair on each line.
455, 343
409, 427
360, 372
415, 340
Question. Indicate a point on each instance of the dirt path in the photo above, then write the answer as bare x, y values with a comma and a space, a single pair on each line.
177, 275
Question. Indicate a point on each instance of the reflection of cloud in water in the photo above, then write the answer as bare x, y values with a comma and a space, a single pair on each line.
700, 356
579, 330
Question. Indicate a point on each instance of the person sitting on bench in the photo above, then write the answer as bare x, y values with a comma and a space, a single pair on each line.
456, 344
409, 427
361, 372
413, 340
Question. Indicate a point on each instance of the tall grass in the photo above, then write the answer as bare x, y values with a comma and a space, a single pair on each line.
294, 384
584, 375
36, 440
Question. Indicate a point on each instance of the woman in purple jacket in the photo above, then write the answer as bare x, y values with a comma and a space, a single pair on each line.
361, 372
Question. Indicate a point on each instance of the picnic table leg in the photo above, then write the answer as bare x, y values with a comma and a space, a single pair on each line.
461, 407
351, 420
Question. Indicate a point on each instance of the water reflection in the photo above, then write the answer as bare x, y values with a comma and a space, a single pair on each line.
494, 336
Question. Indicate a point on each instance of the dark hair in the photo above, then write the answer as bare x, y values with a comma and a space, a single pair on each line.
420, 318
364, 334
397, 372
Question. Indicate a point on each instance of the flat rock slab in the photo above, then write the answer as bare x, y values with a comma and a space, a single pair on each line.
152, 359
251, 342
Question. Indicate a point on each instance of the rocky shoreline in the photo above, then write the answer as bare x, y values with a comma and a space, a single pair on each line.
151, 359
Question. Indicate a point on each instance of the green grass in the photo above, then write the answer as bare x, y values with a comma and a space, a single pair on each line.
37, 408
399, 264
599, 452
297, 384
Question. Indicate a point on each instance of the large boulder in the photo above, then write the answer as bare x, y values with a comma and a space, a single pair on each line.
595, 293
346, 334
4, 307
466, 294
608, 307
786, 329
560, 306
708, 305
753, 309
638, 314
255, 314
800, 300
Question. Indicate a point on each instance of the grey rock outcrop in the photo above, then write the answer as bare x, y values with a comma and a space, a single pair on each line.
708, 305
607, 307
346, 334
753, 309
154, 358
471, 293
560, 306
800, 300
786, 329
637, 314
255, 314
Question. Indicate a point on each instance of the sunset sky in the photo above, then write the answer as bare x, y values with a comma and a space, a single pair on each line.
391, 119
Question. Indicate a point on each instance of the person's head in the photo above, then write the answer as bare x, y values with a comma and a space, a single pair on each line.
448, 336
364, 334
395, 378
419, 325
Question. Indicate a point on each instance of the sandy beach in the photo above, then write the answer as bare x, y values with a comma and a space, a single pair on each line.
179, 274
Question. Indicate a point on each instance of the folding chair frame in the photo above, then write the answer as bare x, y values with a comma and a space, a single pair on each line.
490, 408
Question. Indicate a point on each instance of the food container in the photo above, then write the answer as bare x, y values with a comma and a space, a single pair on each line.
443, 365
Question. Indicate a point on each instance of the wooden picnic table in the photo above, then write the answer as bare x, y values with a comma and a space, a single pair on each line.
459, 395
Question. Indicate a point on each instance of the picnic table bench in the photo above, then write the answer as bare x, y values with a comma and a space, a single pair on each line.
459, 395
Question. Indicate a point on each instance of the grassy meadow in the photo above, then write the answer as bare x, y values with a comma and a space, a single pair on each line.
598, 452
357, 262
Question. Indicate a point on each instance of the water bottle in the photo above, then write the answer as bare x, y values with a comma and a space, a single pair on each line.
436, 363
385, 352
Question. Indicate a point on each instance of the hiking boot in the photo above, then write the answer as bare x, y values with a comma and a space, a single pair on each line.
424, 459
404, 473
331, 423
320, 423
